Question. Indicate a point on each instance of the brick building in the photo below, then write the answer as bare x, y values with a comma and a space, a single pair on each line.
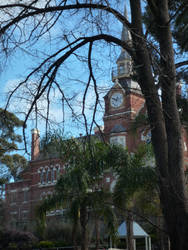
123, 103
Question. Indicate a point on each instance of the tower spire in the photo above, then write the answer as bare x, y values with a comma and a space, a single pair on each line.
125, 34
124, 62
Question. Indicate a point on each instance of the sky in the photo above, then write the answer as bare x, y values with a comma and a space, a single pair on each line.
72, 76
11, 76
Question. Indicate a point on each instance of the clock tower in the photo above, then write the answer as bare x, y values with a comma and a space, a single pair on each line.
123, 101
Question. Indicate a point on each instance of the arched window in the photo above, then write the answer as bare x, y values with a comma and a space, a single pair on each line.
47, 175
57, 171
53, 174
42, 177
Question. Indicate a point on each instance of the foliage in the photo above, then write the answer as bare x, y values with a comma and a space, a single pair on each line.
8, 138
12, 246
45, 244
179, 18
80, 189
136, 177
16, 238
8, 143
51, 144
15, 163
58, 230
140, 121
147, 203
52, 244
180, 31
178, 14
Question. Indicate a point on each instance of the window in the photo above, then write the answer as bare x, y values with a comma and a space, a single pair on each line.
24, 214
58, 171
107, 179
25, 195
118, 140
47, 176
42, 177
53, 175
121, 69
13, 197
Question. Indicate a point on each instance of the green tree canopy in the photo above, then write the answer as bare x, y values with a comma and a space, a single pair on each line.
10, 164
81, 188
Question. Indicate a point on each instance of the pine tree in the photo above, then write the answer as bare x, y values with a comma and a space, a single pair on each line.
10, 164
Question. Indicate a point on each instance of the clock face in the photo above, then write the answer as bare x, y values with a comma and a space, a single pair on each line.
116, 100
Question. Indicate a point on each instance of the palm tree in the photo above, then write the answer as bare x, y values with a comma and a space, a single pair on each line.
135, 176
80, 189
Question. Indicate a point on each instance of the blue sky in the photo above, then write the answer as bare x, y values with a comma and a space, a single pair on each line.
72, 76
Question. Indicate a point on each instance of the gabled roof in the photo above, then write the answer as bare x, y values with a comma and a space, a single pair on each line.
127, 85
118, 84
138, 232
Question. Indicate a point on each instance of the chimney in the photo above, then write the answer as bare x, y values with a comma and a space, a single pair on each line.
35, 147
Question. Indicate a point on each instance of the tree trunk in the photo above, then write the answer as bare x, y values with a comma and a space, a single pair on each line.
97, 230
164, 121
84, 230
161, 234
74, 235
129, 224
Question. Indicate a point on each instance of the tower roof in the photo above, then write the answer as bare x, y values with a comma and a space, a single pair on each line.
126, 37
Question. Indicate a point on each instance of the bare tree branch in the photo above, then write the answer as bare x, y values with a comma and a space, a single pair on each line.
180, 64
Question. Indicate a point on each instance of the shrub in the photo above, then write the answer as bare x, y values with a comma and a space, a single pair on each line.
12, 245
62, 244
45, 244
15, 238
59, 232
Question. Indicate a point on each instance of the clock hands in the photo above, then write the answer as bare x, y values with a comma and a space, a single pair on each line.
116, 99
